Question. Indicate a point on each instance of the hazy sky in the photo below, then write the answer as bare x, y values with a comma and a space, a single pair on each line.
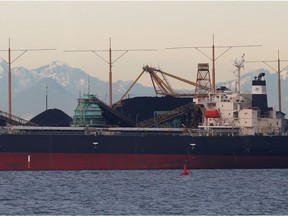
144, 25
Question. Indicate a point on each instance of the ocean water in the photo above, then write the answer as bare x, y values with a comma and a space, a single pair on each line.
157, 192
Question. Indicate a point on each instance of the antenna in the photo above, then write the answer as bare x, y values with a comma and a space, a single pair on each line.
279, 78
46, 96
213, 59
110, 62
88, 85
239, 65
10, 62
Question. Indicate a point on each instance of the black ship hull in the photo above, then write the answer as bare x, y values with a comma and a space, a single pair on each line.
117, 151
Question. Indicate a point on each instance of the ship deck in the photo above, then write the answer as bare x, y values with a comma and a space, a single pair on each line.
35, 130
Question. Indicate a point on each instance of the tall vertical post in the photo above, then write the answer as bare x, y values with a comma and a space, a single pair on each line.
88, 85
46, 97
213, 59
279, 84
9, 82
10, 62
110, 75
278, 71
239, 65
110, 63
213, 65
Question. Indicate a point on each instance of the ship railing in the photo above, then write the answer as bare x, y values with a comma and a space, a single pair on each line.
168, 131
18, 130
218, 131
21, 132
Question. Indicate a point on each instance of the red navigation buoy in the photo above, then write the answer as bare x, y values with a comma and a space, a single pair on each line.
185, 171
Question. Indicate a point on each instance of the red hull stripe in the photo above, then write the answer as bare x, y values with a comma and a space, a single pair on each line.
33, 161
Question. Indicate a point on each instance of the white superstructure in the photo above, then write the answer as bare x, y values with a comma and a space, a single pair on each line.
247, 112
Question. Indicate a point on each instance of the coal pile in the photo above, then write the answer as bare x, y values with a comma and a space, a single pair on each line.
52, 117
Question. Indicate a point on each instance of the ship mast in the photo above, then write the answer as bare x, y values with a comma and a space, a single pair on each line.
278, 70
213, 59
110, 62
10, 62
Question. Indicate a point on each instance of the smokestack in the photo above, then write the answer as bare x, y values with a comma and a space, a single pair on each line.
259, 94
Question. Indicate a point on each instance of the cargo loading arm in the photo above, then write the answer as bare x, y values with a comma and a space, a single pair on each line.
153, 70
119, 102
162, 83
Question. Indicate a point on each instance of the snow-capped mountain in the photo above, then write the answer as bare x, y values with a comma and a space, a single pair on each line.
65, 84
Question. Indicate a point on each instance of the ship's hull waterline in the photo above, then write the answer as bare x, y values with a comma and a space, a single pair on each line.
38, 161
141, 151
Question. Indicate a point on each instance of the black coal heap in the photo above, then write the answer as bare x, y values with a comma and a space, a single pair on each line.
52, 117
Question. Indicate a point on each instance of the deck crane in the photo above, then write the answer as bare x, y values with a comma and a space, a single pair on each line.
161, 85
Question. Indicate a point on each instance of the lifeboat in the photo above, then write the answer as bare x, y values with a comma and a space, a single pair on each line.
212, 114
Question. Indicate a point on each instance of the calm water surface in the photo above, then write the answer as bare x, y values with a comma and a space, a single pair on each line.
161, 192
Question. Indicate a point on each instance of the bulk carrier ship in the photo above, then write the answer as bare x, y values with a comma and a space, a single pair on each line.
214, 130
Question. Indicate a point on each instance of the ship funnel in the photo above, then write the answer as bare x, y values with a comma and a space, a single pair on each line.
259, 94
261, 75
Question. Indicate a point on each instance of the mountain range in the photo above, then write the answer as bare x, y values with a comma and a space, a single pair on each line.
63, 84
